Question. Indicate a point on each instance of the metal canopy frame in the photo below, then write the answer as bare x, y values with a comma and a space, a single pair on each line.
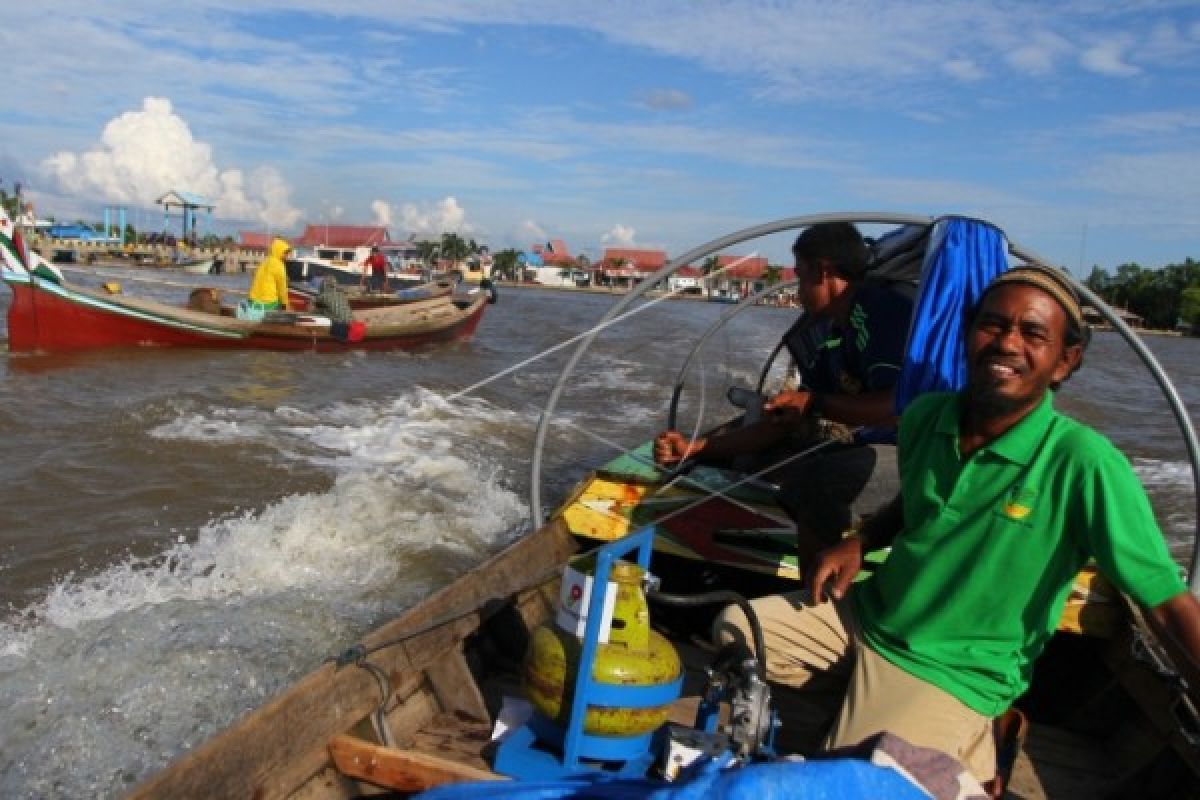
862, 218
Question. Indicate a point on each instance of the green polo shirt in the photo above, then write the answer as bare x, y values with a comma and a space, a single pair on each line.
976, 582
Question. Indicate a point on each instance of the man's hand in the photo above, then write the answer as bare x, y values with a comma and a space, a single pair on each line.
834, 570
671, 447
789, 401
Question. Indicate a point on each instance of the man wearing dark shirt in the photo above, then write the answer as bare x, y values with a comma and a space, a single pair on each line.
850, 381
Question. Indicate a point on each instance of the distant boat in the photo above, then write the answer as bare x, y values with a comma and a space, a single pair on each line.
303, 297
199, 266
50, 314
345, 265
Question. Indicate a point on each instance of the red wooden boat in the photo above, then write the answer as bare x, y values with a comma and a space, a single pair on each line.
50, 314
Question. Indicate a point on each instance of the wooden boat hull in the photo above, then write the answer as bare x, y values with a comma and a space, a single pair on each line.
447, 663
302, 299
46, 316
283, 747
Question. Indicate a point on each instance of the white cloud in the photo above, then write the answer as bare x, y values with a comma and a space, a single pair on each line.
666, 99
444, 216
530, 231
1150, 123
1039, 53
964, 69
1108, 58
382, 211
143, 154
619, 236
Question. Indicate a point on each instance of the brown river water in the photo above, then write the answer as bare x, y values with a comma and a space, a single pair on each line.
184, 533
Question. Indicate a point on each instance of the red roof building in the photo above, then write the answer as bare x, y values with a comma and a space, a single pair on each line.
641, 261
254, 239
554, 253
342, 235
742, 268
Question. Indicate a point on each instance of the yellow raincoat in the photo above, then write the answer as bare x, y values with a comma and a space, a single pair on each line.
270, 278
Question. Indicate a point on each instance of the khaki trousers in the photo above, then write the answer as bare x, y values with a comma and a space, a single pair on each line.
831, 690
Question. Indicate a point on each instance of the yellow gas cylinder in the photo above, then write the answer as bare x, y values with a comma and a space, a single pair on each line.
634, 655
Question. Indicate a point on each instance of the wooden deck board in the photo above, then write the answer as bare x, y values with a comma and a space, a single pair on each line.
458, 737
1056, 764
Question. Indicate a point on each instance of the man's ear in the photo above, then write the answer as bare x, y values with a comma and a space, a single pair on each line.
826, 268
1072, 355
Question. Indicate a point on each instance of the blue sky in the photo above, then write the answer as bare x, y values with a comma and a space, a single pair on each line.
1073, 125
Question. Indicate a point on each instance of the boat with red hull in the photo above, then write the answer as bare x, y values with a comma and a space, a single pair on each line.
50, 314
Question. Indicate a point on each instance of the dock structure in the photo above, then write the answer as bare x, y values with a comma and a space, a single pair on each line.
189, 203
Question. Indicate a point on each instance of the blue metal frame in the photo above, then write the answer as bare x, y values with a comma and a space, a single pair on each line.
519, 757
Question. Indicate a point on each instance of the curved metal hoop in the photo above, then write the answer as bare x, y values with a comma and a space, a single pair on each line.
868, 217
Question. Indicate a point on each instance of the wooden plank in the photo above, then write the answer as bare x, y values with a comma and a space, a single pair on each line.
403, 770
455, 686
464, 739
272, 751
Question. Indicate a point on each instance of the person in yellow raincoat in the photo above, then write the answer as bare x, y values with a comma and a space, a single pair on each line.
269, 288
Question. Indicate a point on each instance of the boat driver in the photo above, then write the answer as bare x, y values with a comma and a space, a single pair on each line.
851, 381
1002, 501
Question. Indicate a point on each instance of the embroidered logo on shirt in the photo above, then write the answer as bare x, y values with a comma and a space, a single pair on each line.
1020, 503
858, 321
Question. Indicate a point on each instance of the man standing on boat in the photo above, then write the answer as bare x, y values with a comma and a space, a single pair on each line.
376, 266
269, 287
850, 379
1002, 501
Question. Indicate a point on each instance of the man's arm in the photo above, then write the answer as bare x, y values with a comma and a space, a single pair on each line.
867, 408
1180, 618
836, 567
672, 446
278, 276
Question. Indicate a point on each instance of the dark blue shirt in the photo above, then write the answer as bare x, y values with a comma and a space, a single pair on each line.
865, 352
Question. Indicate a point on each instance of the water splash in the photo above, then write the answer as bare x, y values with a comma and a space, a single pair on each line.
153, 654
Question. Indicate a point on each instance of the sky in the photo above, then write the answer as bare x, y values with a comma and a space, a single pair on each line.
1074, 125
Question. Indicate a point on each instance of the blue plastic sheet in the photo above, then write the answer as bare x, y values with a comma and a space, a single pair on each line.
964, 256
833, 779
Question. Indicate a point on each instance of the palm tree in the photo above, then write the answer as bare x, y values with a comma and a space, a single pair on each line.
504, 264
427, 251
454, 248
11, 202
708, 267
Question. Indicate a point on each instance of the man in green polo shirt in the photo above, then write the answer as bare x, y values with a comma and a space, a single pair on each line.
1002, 501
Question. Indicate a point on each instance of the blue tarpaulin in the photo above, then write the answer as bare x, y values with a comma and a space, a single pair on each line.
964, 256
832, 779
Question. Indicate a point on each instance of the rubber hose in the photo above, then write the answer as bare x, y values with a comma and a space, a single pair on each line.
724, 596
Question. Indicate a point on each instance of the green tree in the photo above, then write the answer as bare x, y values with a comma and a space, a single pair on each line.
505, 265
11, 202
1100, 282
454, 248
708, 267
427, 251
1189, 307
773, 274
